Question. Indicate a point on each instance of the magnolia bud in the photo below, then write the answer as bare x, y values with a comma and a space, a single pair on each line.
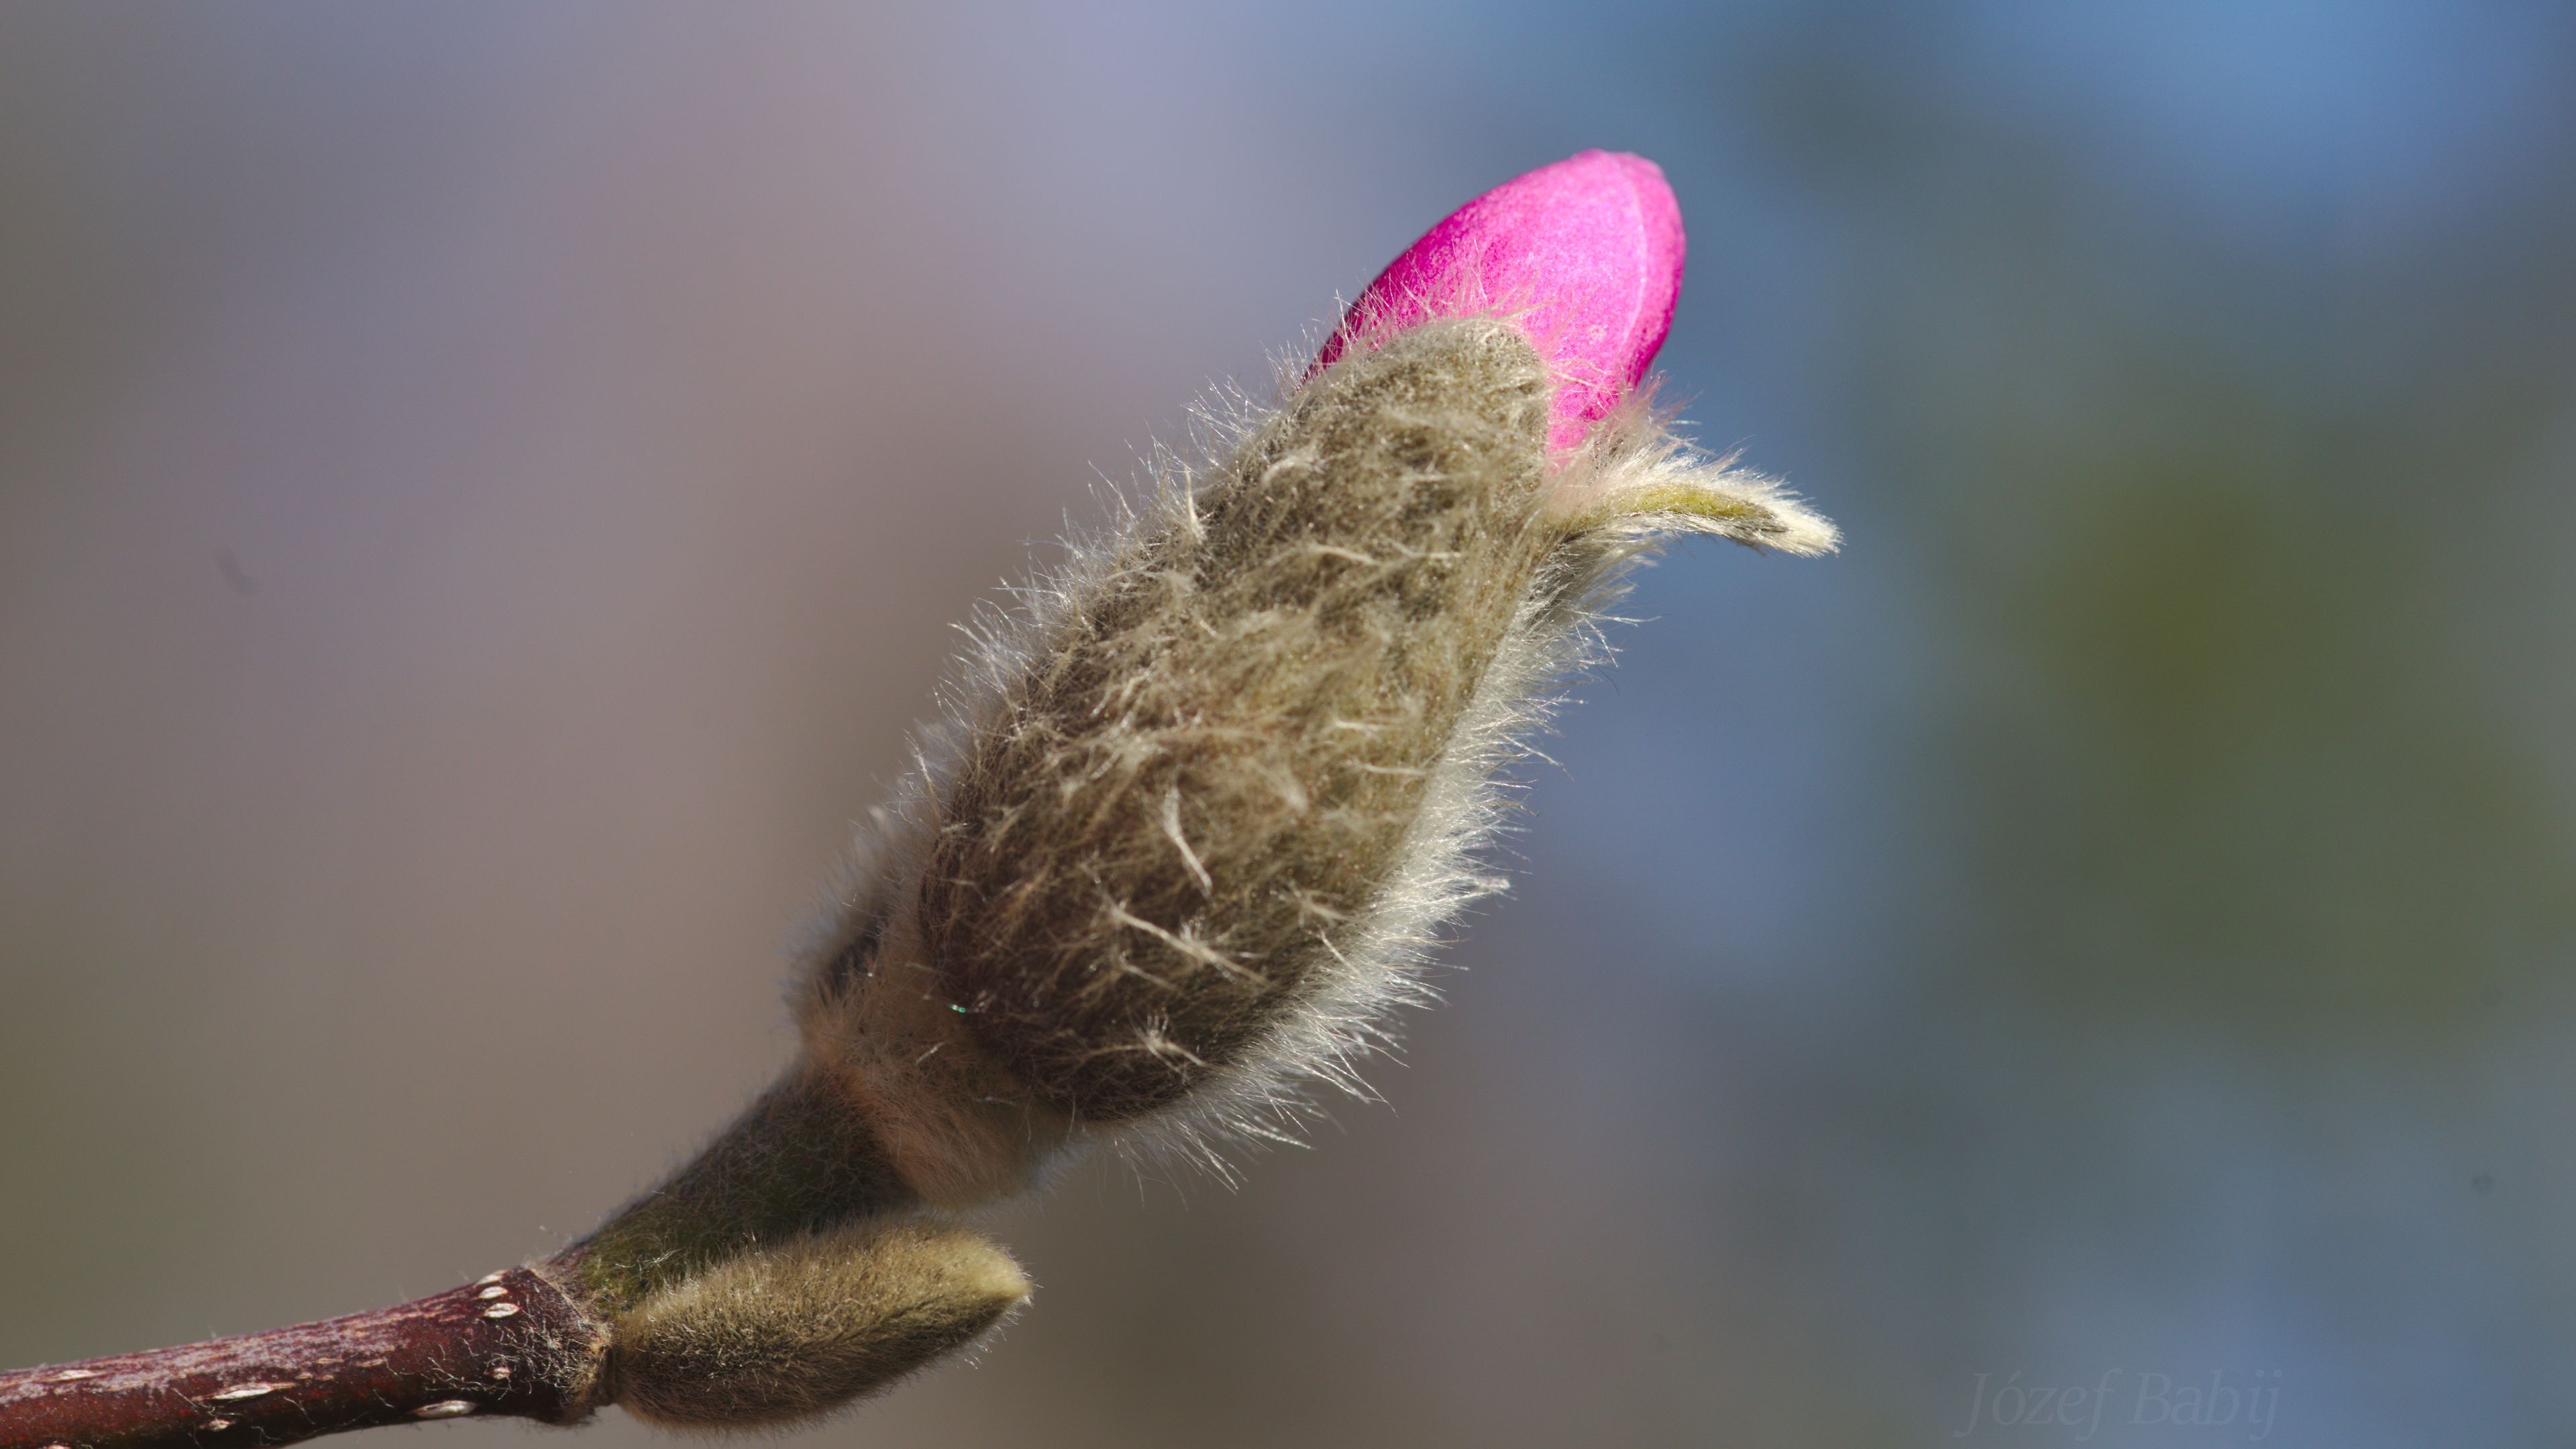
1210, 798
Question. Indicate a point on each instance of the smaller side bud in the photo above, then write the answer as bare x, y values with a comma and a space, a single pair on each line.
791, 1332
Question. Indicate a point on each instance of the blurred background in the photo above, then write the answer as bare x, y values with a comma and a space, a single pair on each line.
484, 490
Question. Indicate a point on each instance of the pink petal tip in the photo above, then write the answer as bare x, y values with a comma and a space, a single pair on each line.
1585, 255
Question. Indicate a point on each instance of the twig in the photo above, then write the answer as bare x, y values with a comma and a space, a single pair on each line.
499, 1346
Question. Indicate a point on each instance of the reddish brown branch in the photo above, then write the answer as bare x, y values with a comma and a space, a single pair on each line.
510, 1344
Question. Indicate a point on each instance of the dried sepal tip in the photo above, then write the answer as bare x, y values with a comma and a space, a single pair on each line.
1635, 477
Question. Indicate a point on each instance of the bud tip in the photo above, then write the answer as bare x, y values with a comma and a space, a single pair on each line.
1586, 254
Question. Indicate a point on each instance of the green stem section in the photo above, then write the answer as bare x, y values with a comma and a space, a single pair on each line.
798, 1161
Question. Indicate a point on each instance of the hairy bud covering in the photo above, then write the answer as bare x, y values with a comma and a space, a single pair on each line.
1202, 782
